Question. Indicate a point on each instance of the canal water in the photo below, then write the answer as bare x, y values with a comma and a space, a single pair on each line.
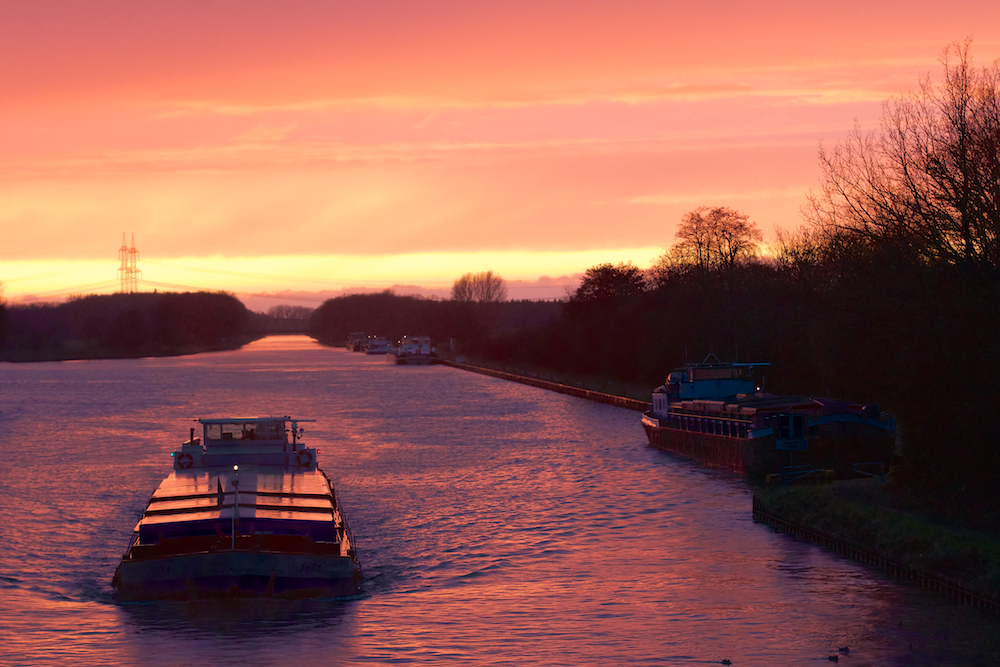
497, 524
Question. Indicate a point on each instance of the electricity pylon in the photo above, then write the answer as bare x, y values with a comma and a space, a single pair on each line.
127, 272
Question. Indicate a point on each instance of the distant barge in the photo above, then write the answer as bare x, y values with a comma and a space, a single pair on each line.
712, 412
414, 351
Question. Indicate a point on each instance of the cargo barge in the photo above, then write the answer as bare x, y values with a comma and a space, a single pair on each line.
245, 513
714, 413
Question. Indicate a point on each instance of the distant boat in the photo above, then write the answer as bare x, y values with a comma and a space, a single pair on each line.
246, 513
356, 341
377, 345
713, 412
415, 351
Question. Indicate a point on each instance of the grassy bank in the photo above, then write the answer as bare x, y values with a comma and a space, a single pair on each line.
884, 521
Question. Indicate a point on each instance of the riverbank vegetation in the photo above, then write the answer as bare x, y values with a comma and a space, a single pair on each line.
454, 326
125, 325
887, 520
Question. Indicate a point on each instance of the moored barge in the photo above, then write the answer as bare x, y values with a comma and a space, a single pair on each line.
713, 413
245, 513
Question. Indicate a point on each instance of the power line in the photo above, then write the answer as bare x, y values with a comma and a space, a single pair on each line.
39, 276
155, 283
240, 274
75, 289
315, 281
246, 294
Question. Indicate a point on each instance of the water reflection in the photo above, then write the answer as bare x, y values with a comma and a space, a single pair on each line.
497, 524
236, 619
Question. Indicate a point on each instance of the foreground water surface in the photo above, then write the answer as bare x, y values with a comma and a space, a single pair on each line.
497, 524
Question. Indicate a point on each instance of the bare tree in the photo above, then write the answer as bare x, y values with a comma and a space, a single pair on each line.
928, 181
462, 290
713, 238
490, 287
286, 312
796, 247
485, 287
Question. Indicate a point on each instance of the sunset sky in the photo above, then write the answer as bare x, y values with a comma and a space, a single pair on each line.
298, 148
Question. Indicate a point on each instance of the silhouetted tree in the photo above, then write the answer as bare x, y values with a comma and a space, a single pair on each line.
800, 254
490, 288
462, 290
928, 182
484, 287
3, 317
286, 312
606, 282
125, 325
712, 238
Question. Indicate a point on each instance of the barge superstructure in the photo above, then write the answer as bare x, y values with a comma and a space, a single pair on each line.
245, 513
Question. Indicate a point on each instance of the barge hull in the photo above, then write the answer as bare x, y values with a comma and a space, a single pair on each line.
413, 361
834, 446
214, 575
713, 451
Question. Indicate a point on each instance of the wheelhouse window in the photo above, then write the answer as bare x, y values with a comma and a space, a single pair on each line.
264, 430
790, 432
791, 427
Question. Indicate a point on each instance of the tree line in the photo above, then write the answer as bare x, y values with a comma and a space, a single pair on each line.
462, 326
124, 325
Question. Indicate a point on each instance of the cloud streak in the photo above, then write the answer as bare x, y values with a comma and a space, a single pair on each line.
389, 129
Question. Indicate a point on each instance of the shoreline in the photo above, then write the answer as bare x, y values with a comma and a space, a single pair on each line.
953, 562
854, 518
28, 357
552, 385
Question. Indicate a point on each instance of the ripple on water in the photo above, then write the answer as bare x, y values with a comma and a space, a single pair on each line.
497, 524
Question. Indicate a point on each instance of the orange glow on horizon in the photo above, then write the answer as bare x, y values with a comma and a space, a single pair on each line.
529, 134
325, 276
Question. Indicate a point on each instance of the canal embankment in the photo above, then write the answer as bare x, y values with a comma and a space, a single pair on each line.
868, 520
535, 379
863, 519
